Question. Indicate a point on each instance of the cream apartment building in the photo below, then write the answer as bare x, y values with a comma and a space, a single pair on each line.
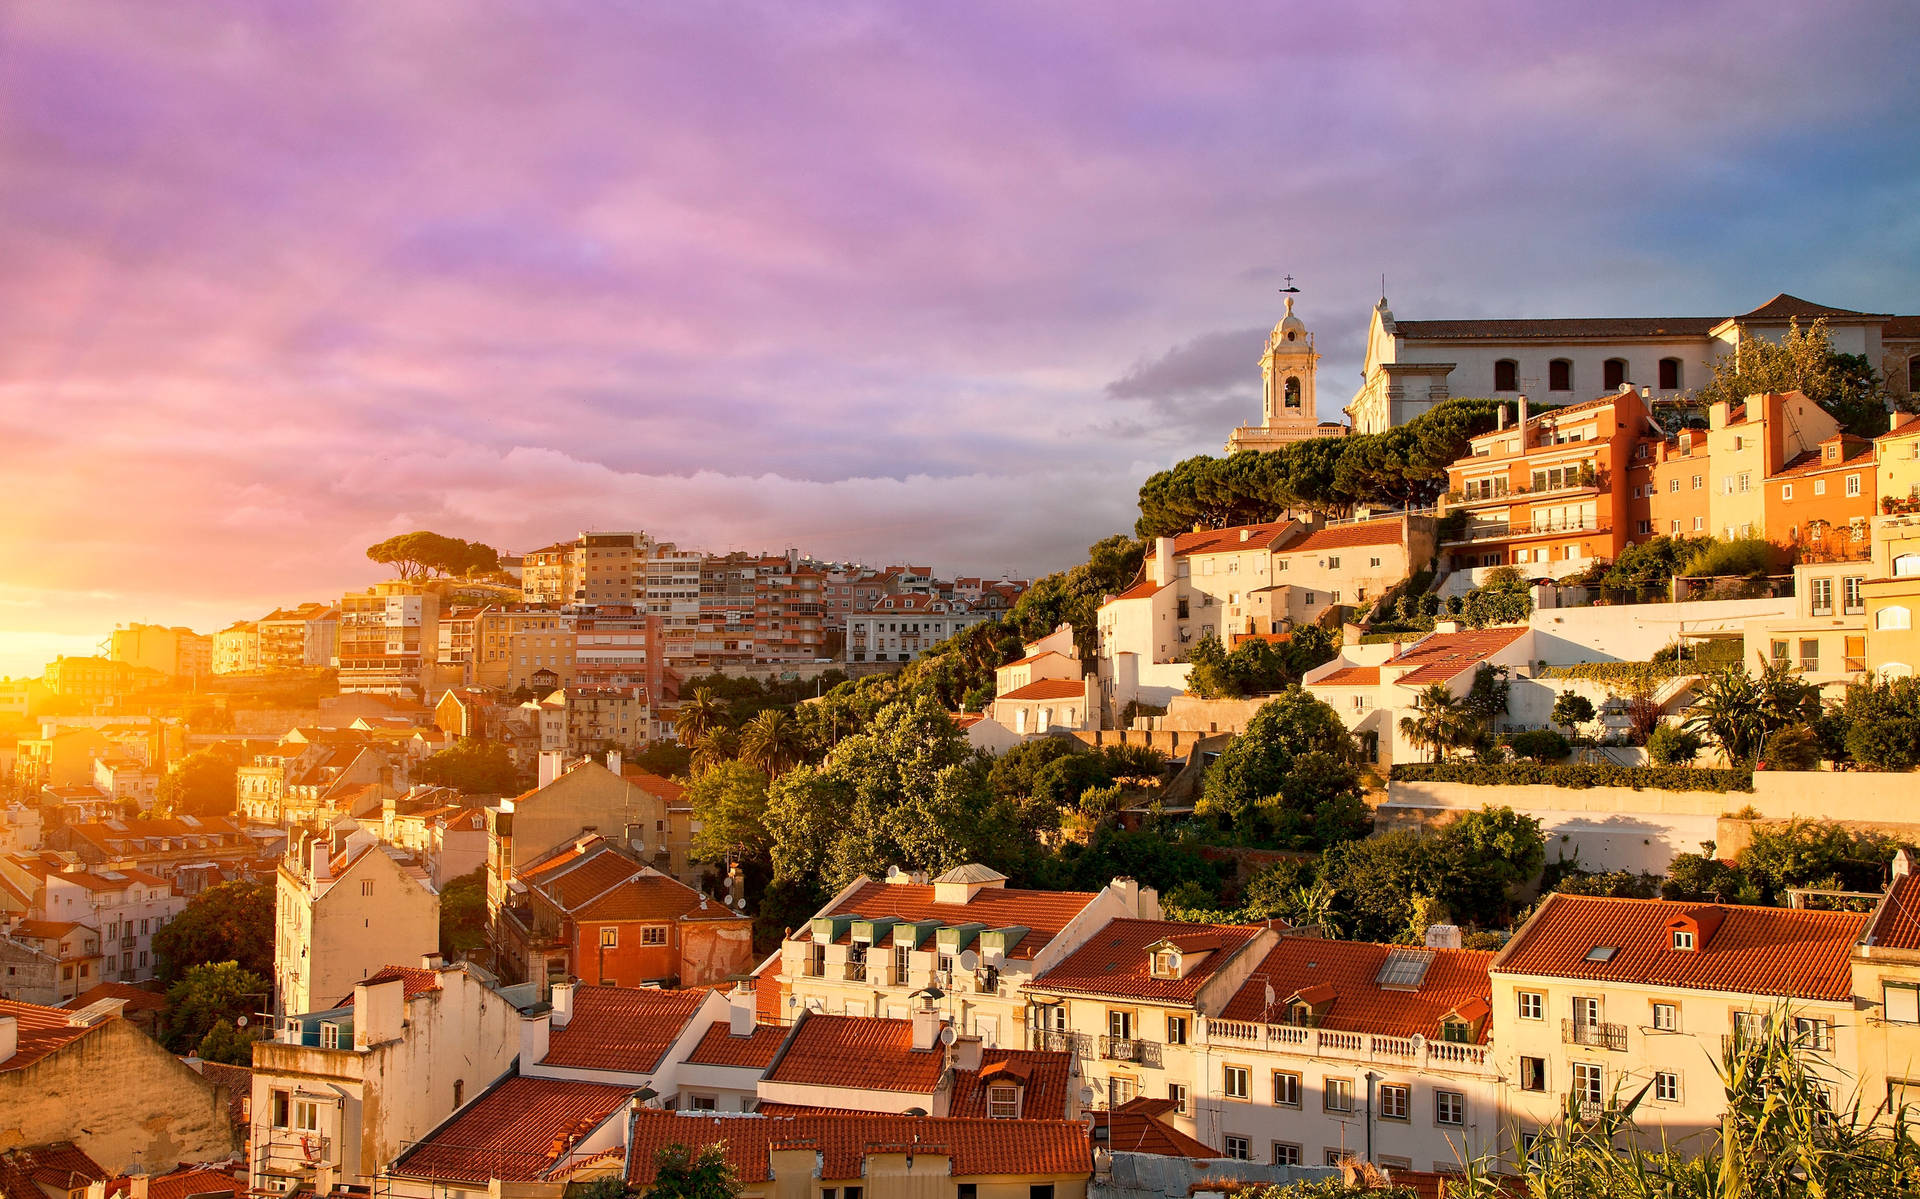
341, 915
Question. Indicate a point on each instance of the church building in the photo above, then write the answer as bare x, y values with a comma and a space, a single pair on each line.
1287, 413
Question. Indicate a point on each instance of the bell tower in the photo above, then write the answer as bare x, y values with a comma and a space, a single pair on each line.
1286, 372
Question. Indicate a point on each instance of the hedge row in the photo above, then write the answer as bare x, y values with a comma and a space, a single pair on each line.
1573, 774
1622, 672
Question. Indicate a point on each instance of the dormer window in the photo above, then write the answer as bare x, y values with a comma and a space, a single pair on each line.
1455, 1031
1300, 1014
1683, 940
1003, 1102
1166, 963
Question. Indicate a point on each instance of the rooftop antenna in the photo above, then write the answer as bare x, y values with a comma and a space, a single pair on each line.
1289, 289
1383, 289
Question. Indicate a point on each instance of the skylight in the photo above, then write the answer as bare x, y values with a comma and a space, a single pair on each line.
1601, 953
1404, 969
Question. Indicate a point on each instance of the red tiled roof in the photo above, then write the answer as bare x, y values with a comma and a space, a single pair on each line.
1045, 653
137, 999
61, 1165
1794, 952
1443, 656
621, 1028
601, 883
1238, 537
658, 786
1048, 689
46, 930
1043, 913
966, 720
1043, 1077
1785, 307
1138, 1126
1114, 962
975, 1147
719, 1047
1557, 328
1812, 462
181, 1184
513, 1131
1372, 532
1350, 970
416, 980
1896, 922
1351, 676
42, 1030
1141, 590
869, 1053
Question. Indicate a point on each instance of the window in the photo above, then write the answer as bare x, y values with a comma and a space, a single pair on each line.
1745, 481
1900, 1003
1042, 1190
1673, 484
1506, 375
1177, 1091
1333, 1157
653, 934
306, 1115
1237, 1148
1533, 1005
1822, 597
969, 1190
1853, 485
1613, 372
1338, 1094
902, 963
1449, 1107
282, 1109
1333, 562
1533, 1074
1666, 1017
1850, 598
1285, 1154
1120, 1089
1394, 1101
1666, 1086
1586, 1009
707, 1103
1811, 1032
1176, 1030
329, 1036
1589, 1083
1669, 374
1286, 1087
1560, 375
1233, 1082
1894, 616
366, 888
1120, 1025
609, 937
1003, 1103
1786, 491
1683, 940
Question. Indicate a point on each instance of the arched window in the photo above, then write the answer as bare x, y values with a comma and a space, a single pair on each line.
1895, 617
1906, 566
1506, 375
1613, 372
1669, 374
1291, 397
1560, 374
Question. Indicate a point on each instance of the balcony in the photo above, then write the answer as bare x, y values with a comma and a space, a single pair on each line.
1417, 1052
1130, 1049
1048, 1040
1599, 1036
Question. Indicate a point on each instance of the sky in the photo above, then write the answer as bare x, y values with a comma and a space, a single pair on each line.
938, 281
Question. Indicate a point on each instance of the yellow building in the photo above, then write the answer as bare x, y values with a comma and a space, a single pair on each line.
1886, 983
1598, 998
236, 648
174, 652
1750, 441
1892, 594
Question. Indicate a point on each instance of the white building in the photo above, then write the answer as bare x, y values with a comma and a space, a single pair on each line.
127, 906
898, 628
342, 915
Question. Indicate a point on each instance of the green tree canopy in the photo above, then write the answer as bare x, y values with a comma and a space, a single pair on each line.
472, 767
1805, 361
463, 914
730, 807
201, 784
1289, 777
208, 995
419, 554
231, 922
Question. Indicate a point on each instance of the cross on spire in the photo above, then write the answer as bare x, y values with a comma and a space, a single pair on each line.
1289, 288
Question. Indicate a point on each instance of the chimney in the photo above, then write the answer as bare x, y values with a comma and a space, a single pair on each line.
1162, 565
740, 1012
322, 861
562, 1001
1500, 418
1129, 892
9, 1037
1895, 419
139, 1185
533, 1039
549, 766
966, 1053
613, 760
431, 961
1903, 862
379, 1011
927, 1024
1523, 421
1443, 936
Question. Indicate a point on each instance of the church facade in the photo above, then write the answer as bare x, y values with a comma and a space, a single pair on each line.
1412, 365
1287, 412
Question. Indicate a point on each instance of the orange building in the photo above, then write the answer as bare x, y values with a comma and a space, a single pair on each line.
1553, 492
1822, 503
1678, 496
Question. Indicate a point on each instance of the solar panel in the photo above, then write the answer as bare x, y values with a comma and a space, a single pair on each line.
1404, 969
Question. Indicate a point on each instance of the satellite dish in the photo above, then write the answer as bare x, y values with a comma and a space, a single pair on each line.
1269, 994
239, 1021
893, 872
947, 1035
969, 960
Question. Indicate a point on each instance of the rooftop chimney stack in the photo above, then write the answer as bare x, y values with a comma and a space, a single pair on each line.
613, 760
549, 766
9, 1037
1162, 564
1523, 421
322, 860
562, 1004
740, 1012
927, 1023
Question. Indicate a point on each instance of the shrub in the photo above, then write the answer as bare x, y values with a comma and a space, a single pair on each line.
1539, 745
1741, 556
1569, 774
1671, 745
1890, 744
1792, 748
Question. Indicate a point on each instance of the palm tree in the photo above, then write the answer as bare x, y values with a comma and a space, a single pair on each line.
772, 741
698, 713
711, 748
1727, 709
1439, 722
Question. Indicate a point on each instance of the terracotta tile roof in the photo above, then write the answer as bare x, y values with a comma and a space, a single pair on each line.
1791, 952
43, 1030
1556, 328
1443, 656
517, 1132
181, 1184
1350, 970
1045, 653
658, 786
1144, 589
47, 930
1909, 426
1812, 462
239, 1083
1043, 913
1785, 307
1235, 538
1114, 961
868, 1053
1351, 676
1896, 922
966, 720
621, 1028
607, 885
1139, 1126
1048, 689
1372, 532
719, 1047
1901, 327
975, 1147
60, 1166
1044, 1080
416, 980
136, 998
